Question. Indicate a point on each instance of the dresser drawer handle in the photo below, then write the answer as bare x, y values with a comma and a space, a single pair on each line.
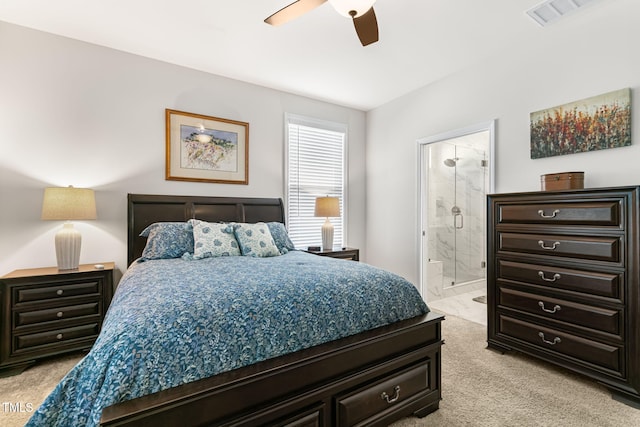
59, 336
59, 292
546, 279
553, 214
555, 308
59, 314
555, 341
395, 397
549, 248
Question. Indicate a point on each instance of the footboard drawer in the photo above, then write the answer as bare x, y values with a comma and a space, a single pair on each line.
356, 408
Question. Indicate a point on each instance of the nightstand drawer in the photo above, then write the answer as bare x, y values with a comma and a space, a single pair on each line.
57, 313
597, 318
604, 355
576, 213
607, 248
56, 291
57, 336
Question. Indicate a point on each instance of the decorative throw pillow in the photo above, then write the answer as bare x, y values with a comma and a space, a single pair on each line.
167, 240
255, 240
213, 239
280, 237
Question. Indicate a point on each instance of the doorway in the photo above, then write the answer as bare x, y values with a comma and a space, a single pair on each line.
456, 174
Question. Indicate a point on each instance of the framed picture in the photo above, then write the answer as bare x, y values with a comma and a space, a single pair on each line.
206, 149
595, 123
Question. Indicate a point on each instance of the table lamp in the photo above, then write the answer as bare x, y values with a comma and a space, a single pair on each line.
67, 204
327, 207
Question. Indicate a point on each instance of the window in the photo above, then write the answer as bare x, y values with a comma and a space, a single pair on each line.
315, 167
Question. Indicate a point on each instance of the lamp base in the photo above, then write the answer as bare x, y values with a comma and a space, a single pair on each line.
327, 235
68, 241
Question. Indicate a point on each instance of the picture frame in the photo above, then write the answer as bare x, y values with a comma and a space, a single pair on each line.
202, 148
596, 123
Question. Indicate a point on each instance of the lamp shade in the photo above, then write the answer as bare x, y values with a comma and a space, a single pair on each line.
327, 206
68, 203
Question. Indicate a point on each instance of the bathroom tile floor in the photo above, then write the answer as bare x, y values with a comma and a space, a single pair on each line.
463, 306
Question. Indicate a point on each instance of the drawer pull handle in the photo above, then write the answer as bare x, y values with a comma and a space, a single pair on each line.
546, 279
395, 397
555, 308
59, 292
553, 214
59, 314
59, 336
555, 341
549, 248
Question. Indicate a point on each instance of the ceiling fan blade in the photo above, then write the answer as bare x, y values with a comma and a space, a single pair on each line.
293, 11
367, 27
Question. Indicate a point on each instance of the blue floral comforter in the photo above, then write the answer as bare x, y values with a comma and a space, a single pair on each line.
175, 321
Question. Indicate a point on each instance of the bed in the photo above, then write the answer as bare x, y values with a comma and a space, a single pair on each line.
326, 355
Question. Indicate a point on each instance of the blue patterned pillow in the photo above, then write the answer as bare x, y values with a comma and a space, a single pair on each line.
167, 240
213, 239
255, 240
280, 237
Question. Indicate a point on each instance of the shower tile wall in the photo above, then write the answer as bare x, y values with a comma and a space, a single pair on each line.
455, 255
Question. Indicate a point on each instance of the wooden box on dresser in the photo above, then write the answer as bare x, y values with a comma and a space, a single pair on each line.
45, 312
563, 281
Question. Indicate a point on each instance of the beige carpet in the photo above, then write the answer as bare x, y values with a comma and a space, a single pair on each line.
480, 387
23, 393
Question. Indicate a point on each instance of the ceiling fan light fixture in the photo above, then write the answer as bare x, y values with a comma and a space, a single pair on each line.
348, 7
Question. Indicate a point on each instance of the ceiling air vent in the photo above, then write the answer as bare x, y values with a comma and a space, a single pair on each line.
551, 10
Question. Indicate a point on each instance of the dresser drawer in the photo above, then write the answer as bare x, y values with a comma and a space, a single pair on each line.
56, 291
597, 318
57, 313
608, 285
357, 407
603, 213
607, 248
23, 342
603, 355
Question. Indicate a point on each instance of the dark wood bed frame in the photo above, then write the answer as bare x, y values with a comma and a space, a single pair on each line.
372, 378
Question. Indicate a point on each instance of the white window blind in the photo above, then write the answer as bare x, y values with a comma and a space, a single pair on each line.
315, 167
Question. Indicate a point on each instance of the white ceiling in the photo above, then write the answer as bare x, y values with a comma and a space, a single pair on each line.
317, 55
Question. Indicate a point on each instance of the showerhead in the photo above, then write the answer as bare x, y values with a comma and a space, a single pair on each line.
450, 162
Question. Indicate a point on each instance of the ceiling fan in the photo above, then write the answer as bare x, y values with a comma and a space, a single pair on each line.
361, 11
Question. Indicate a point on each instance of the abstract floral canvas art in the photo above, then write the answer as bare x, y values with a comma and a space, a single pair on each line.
595, 123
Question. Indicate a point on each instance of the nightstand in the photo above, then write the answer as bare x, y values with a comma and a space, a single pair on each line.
344, 253
46, 312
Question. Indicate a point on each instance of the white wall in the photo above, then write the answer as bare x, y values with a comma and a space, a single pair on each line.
587, 55
72, 113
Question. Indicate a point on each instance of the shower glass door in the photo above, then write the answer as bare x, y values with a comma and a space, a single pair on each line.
457, 185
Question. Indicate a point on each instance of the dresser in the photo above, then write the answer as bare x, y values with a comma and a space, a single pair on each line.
46, 312
563, 281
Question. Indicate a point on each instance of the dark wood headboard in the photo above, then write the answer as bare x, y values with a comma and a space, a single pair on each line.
145, 209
